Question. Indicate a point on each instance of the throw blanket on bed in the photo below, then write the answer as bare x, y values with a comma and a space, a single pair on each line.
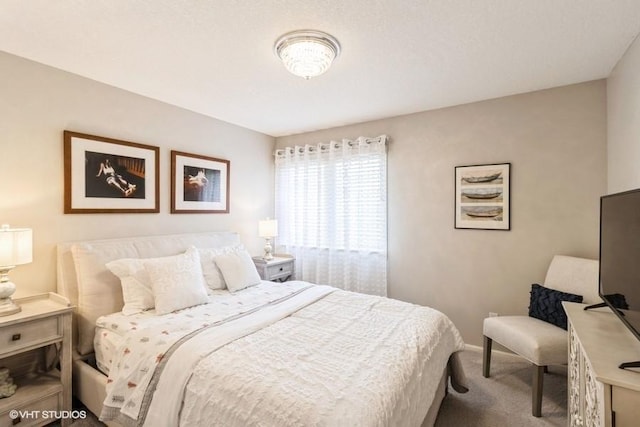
150, 339
345, 359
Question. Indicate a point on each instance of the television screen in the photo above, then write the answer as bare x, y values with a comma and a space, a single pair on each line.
620, 256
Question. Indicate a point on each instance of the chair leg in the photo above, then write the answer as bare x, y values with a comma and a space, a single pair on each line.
486, 357
538, 380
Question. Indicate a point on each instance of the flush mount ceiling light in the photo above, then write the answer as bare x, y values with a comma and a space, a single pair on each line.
307, 53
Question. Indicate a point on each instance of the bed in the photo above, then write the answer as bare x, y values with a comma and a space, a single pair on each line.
267, 354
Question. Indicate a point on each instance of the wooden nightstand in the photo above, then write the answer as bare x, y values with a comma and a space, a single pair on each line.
44, 320
280, 269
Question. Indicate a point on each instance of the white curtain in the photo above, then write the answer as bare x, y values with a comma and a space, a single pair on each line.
331, 206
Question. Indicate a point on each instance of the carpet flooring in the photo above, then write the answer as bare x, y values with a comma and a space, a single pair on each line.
504, 399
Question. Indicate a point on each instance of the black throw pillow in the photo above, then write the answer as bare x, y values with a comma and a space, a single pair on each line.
546, 304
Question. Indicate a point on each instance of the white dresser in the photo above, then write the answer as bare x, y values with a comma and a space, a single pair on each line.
600, 393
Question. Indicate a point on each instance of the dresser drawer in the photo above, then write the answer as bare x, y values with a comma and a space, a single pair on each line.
32, 414
29, 334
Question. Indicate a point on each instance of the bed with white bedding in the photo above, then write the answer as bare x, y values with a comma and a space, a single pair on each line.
269, 354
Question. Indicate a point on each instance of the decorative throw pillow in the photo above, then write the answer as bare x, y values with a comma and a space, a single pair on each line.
546, 304
212, 274
136, 285
177, 281
238, 270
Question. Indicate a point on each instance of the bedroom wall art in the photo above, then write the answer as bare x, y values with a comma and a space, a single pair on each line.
106, 175
482, 197
199, 184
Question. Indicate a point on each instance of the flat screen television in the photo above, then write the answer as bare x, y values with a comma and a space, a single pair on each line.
620, 258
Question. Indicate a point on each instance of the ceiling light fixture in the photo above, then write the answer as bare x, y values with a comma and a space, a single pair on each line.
307, 53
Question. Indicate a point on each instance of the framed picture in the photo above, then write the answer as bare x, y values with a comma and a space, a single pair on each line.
482, 198
105, 175
199, 184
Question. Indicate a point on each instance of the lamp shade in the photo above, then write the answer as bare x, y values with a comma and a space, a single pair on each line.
268, 228
15, 246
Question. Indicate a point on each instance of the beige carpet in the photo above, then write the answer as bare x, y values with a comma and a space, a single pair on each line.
504, 399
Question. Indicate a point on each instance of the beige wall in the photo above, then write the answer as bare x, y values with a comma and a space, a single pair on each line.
38, 102
623, 111
555, 141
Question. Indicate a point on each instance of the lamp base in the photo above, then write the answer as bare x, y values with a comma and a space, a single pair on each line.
8, 307
268, 256
7, 288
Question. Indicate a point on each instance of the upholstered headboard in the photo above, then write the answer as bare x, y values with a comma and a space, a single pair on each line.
95, 291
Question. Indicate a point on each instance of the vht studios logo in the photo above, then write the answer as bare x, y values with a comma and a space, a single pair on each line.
14, 414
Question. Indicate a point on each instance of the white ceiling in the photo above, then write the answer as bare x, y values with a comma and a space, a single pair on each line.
215, 56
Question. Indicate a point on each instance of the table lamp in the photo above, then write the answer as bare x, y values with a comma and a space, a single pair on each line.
268, 228
15, 249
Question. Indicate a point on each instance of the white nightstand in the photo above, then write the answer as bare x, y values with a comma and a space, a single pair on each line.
280, 269
44, 320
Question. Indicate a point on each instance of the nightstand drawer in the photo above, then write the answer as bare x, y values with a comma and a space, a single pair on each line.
31, 414
29, 334
279, 270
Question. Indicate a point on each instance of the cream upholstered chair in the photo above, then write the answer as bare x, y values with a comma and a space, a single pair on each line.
540, 342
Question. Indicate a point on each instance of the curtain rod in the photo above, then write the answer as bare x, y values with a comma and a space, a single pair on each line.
300, 149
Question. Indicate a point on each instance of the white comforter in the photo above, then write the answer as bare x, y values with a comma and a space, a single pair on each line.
315, 357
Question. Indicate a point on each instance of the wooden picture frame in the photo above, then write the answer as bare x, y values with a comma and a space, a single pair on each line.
482, 196
199, 184
106, 175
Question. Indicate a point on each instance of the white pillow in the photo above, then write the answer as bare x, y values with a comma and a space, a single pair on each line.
238, 270
177, 281
135, 282
212, 274
98, 290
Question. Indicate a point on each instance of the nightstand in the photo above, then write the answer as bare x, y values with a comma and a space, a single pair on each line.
44, 320
280, 269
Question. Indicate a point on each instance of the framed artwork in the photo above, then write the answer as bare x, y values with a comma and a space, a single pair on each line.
199, 184
482, 198
105, 175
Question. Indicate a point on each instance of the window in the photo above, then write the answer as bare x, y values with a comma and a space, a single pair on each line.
331, 204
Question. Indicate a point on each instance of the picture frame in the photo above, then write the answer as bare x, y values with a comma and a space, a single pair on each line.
482, 196
199, 184
106, 175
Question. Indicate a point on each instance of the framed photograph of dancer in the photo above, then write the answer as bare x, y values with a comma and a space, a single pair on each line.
482, 197
106, 175
199, 184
